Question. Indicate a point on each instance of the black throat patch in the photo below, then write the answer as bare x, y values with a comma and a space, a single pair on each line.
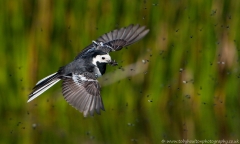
101, 67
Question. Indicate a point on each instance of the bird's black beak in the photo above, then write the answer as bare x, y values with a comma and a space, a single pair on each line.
113, 63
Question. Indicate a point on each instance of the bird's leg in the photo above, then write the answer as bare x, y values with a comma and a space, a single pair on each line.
113, 63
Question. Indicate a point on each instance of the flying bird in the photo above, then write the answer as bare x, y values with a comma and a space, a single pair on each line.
80, 86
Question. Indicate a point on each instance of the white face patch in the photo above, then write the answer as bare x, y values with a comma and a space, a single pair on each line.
102, 59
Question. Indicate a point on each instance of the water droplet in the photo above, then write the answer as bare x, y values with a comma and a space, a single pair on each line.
88, 133
188, 96
181, 69
18, 123
129, 124
34, 126
134, 140
92, 137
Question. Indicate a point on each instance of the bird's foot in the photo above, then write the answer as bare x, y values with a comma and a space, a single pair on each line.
113, 63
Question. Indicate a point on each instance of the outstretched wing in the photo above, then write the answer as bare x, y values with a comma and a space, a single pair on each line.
83, 93
117, 39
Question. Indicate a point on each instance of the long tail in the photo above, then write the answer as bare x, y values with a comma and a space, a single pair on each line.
43, 85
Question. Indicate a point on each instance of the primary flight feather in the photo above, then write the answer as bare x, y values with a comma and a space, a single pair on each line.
80, 86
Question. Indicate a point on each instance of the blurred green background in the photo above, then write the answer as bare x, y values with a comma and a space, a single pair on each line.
186, 84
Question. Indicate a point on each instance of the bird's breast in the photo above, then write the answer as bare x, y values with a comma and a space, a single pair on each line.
97, 72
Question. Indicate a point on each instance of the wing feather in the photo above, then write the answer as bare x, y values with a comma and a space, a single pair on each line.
105, 37
115, 34
135, 32
92, 108
130, 33
97, 105
110, 36
120, 32
117, 39
140, 36
83, 94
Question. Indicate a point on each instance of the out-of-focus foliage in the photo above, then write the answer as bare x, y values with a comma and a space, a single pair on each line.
187, 86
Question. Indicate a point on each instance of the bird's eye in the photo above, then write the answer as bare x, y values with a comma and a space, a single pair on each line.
103, 58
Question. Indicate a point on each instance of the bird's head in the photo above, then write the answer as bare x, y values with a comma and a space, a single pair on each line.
101, 57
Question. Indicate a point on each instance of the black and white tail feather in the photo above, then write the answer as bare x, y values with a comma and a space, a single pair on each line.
80, 87
43, 85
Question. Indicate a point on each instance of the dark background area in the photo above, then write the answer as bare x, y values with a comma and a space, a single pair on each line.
179, 82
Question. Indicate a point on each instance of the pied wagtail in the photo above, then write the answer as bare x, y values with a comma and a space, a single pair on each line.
80, 86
